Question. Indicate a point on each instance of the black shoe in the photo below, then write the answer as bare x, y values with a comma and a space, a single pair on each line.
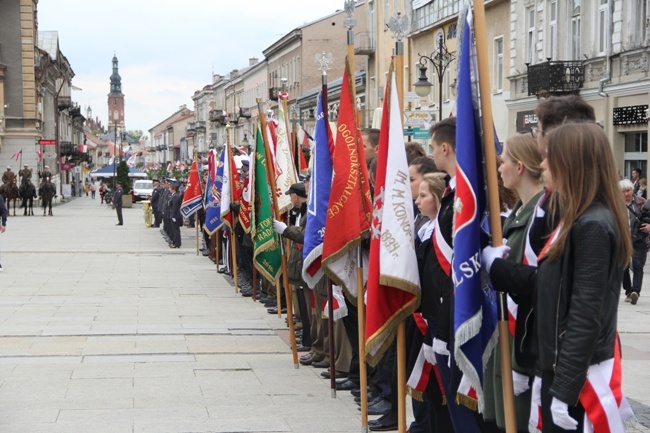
337, 375
382, 427
271, 303
357, 392
304, 348
222, 270
246, 294
321, 364
379, 407
118, 224
346, 385
274, 310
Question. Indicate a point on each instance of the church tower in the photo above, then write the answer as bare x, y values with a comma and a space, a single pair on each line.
115, 101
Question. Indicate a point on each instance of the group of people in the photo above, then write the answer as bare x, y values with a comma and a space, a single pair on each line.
572, 234
24, 177
570, 245
166, 200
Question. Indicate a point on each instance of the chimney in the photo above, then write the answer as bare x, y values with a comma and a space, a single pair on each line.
253, 61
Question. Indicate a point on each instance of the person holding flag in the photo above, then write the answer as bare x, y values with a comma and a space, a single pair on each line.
520, 171
439, 340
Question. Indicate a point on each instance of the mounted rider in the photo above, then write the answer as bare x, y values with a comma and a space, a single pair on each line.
8, 176
25, 175
45, 175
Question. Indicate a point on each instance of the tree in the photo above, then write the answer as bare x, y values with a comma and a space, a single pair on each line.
136, 134
123, 176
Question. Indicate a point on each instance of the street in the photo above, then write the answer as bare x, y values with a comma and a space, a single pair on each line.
107, 329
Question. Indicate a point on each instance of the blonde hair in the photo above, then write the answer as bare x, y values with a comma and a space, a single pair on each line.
523, 148
436, 185
582, 164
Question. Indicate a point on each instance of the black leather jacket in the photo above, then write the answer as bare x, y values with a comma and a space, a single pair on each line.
577, 301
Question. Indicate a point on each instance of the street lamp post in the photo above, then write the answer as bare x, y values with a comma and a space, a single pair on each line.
440, 59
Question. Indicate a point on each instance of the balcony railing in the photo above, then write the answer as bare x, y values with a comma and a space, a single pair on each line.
217, 116
555, 77
200, 125
191, 126
64, 102
67, 148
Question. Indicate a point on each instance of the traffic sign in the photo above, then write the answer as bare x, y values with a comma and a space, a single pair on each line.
419, 118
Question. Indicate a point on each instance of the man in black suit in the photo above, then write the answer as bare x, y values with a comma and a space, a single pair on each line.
117, 202
155, 198
175, 215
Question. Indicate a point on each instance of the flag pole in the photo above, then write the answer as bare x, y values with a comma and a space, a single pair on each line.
493, 203
324, 60
231, 183
285, 277
399, 26
330, 330
196, 220
349, 23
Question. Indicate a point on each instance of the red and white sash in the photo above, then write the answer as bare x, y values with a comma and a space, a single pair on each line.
443, 251
606, 408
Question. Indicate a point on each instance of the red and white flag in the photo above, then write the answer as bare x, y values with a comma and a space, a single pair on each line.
17, 155
39, 154
393, 276
350, 207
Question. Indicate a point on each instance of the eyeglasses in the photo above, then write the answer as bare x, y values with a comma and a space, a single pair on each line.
536, 132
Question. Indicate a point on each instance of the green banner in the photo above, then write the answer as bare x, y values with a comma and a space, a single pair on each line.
267, 255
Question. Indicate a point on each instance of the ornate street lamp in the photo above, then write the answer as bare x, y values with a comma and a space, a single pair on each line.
441, 58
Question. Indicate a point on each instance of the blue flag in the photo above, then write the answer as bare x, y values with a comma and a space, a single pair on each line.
319, 195
212, 198
475, 308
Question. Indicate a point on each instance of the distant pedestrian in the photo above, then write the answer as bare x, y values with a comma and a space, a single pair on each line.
3, 218
175, 216
117, 202
102, 189
92, 190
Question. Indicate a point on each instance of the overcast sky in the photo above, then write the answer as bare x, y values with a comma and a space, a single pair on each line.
167, 49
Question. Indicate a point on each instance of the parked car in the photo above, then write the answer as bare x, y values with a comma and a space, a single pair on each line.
142, 190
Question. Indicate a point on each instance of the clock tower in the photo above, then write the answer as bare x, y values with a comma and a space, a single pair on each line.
115, 101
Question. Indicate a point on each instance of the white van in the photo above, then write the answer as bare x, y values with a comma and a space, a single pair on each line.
142, 190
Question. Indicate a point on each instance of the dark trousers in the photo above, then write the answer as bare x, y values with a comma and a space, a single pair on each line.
175, 233
351, 324
157, 217
576, 412
639, 255
118, 209
303, 294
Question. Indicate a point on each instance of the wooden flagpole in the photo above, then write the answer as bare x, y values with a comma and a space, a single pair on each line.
493, 203
399, 28
350, 22
270, 173
231, 185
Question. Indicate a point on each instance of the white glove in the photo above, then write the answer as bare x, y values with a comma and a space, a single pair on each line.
560, 414
279, 227
429, 354
174, 220
440, 347
520, 383
489, 254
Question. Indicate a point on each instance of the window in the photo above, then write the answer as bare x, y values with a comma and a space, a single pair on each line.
639, 12
602, 27
552, 30
576, 32
530, 35
636, 142
498, 64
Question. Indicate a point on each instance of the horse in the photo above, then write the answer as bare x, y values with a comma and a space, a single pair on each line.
27, 193
10, 192
47, 191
